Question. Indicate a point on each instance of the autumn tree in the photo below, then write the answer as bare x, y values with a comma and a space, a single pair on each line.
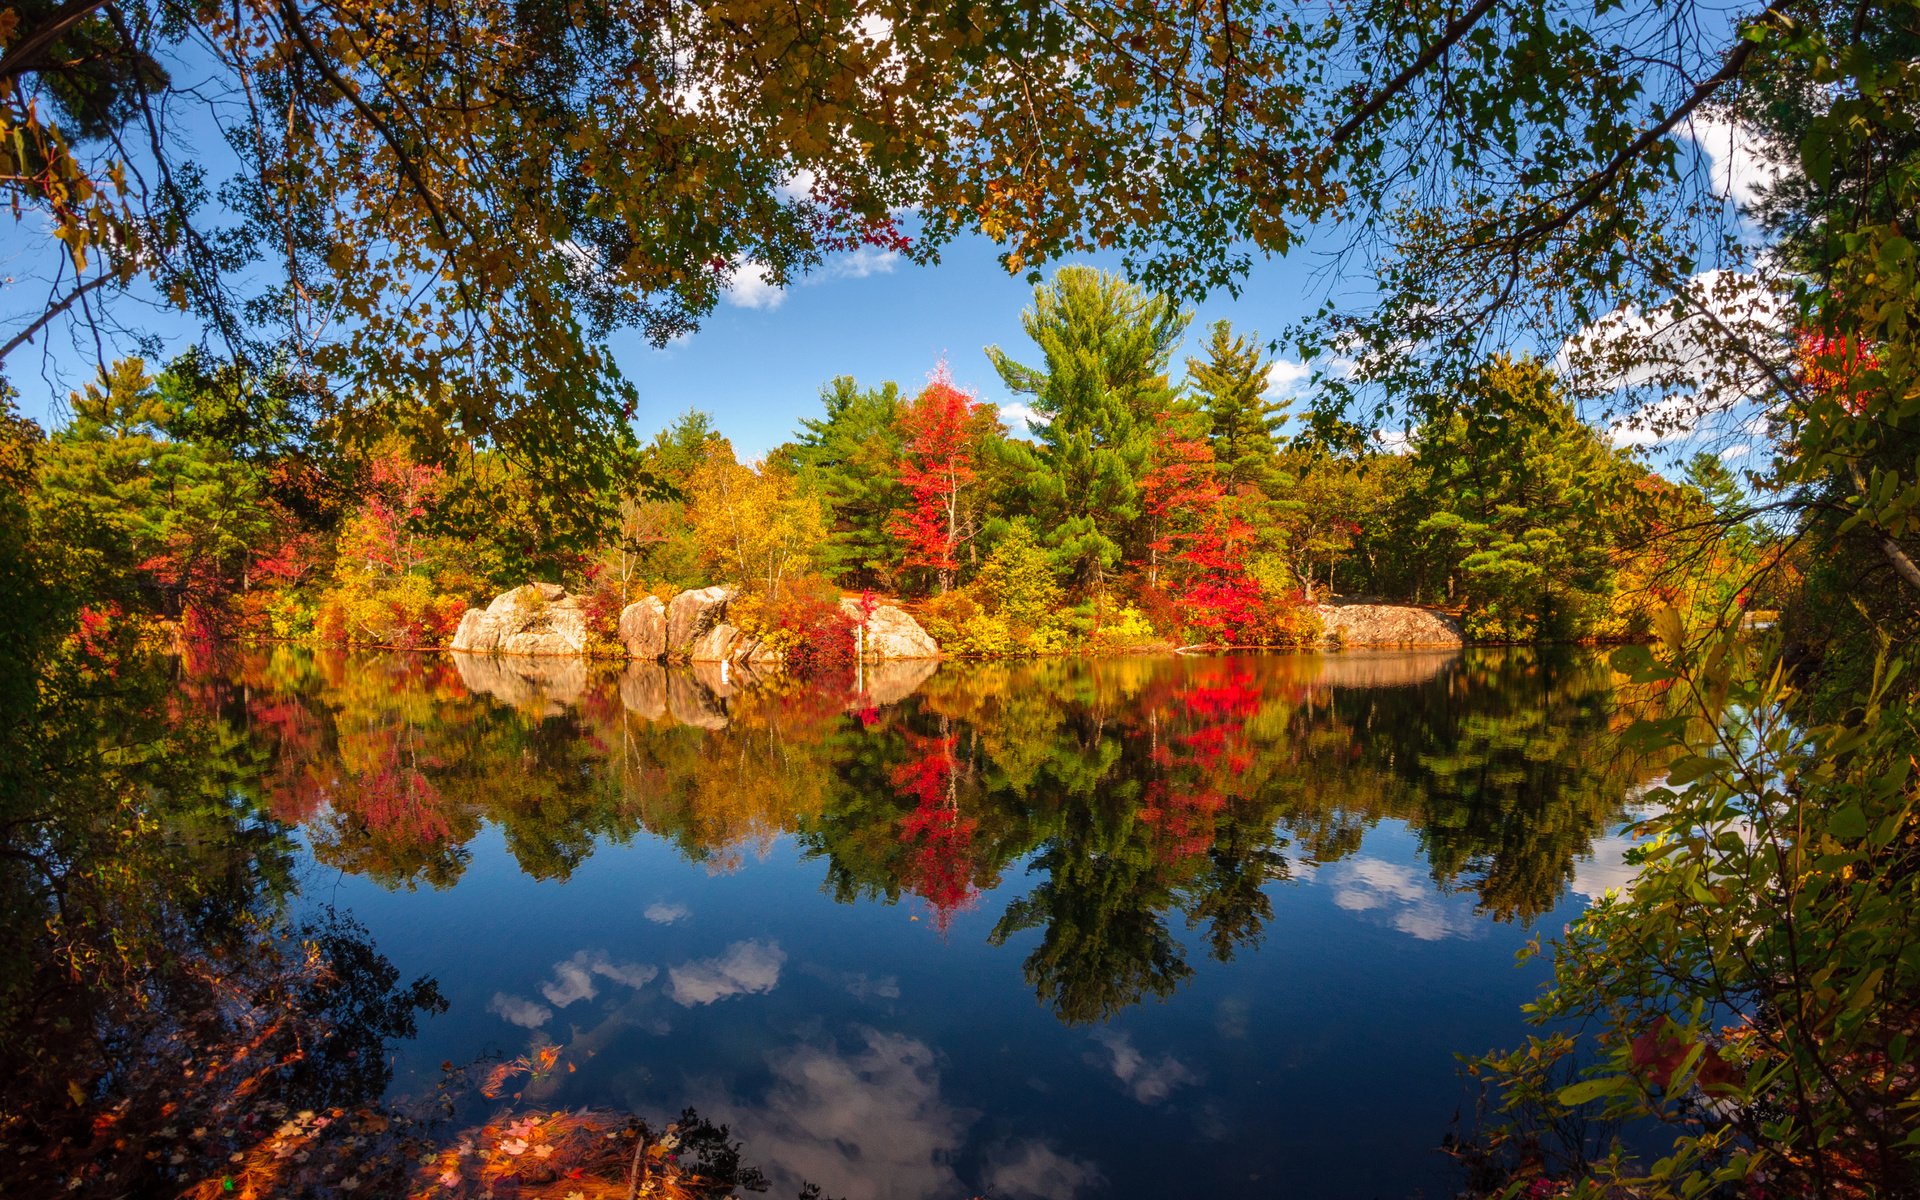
1100, 394
942, 429
1201, 548
755, 527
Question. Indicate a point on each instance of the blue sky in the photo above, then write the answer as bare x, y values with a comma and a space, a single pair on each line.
759, 361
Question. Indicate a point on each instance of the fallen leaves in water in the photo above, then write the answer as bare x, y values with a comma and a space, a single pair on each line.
580, 1155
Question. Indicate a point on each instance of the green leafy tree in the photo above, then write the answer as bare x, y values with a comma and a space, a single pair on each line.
848, 457
1101, 392
174, 518
1230, 386
1519, 490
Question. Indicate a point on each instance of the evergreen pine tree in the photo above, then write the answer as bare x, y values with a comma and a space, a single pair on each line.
849, 457
1230, 386
1102, 392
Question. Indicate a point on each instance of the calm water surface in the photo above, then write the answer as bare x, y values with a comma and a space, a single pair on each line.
1169, 927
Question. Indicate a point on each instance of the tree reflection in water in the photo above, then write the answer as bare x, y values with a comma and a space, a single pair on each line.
1132, 793
162, 1010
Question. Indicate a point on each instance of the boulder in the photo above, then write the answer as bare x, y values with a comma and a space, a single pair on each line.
473, 624
1387, 625
715, 645
891, 633
643, 629
692, 614
537, 619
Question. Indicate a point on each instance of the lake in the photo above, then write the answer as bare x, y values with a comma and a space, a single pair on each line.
1155, 926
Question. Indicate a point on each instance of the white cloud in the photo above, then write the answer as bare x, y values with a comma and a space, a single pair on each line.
1741, 167
800, 185
1033, 1170
573, 980
1232, 1016
1409, 901
1669, 419
1150, 1082
1286, 377
1022, 417
862, 262
861, 987
871, 1120
1393, 441
747, 968
517, 1010
662, 913
1733, 452
752, 286
1678, 368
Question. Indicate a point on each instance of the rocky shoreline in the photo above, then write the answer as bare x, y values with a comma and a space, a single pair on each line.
544, 620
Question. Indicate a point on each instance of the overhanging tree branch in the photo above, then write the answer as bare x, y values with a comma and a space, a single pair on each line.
29, 53
1596, 184
1455, 30
72, 298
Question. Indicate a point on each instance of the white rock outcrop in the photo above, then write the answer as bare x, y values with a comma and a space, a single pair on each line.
691, 614
643, 629
537, 619
1387, 625
715, 645
890, 633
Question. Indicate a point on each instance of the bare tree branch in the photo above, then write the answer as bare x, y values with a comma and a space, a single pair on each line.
74, 297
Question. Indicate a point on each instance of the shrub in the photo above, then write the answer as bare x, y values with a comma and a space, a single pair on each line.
805, 624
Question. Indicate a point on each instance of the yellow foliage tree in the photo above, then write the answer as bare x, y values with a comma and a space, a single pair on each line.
754, 525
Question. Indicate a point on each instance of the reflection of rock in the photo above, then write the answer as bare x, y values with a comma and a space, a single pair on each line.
694, 613
718, 678
715, 645
544, 685
1387, 625
692, 702
538, 619
892, 682
891, 633
1382, 668
643, 690
643, 629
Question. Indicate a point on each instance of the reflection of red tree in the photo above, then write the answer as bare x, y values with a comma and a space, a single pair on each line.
397, 802
939, 867
1200, 763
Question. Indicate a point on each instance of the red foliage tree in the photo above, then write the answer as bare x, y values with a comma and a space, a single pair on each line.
1199, 544
941, 428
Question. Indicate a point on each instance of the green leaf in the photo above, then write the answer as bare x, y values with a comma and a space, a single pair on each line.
1847, 822
1589, 1090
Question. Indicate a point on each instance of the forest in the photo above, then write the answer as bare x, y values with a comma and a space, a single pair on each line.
1133, 513
326, 296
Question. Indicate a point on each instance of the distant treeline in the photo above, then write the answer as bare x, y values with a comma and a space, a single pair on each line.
1133, 510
